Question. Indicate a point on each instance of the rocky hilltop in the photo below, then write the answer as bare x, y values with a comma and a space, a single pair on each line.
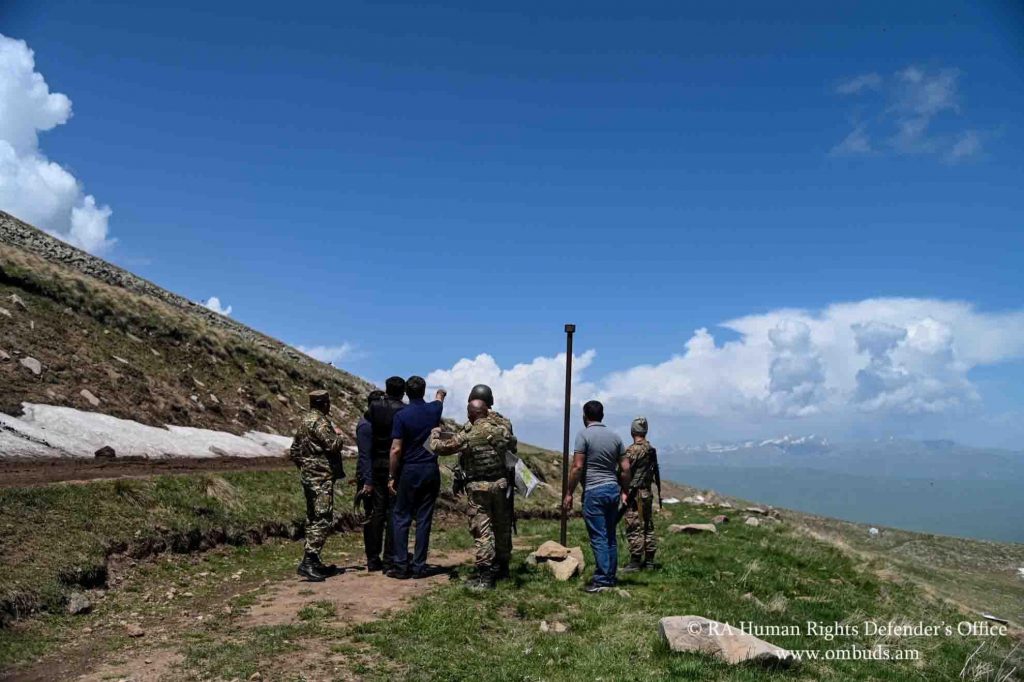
79, 332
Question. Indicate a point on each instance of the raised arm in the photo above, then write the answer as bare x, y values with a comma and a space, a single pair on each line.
446, 446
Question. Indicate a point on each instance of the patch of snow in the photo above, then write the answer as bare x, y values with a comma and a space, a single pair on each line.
52, 431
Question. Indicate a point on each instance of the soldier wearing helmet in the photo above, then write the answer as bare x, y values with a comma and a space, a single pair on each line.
643, 460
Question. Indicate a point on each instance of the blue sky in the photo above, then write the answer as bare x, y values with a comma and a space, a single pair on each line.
423, 184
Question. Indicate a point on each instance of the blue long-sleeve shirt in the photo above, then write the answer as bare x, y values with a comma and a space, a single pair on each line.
364, 443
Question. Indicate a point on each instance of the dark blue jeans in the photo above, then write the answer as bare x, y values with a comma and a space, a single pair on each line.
418, 487
601, 513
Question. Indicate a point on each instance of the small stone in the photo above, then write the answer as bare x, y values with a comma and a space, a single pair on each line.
5, 312
751, 521
4, 356
721, 518
564, 569
89, 397
106, 452
78, 603
282, 399
120, 359
577, 554
551, 550
544, 627
756, 510
693, 528
133, 630
17, 302
256, 676
623, 593
32, 365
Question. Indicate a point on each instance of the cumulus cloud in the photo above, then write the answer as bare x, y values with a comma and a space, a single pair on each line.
903, 120
332, 354
532, 389
32, 187
888, 357
214, 304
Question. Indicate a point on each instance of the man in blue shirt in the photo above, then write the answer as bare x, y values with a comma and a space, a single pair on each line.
415, 478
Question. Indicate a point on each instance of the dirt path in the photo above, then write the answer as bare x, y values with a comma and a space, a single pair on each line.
354, 597
17, 473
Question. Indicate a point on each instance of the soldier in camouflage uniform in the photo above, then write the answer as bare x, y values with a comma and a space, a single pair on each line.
481, 446
316, 451
639, 503
483, 392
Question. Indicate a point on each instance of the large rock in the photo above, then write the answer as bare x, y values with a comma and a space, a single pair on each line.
32, 365
106, 452
693, 528
696, 634
564, 569
551, 550
751, 521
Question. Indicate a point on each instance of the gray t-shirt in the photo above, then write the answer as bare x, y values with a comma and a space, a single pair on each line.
602, 450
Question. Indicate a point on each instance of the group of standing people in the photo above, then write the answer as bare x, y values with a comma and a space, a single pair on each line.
398, 479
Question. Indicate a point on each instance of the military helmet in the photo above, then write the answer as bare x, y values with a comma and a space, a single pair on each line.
319, 399
639, 426
482, 392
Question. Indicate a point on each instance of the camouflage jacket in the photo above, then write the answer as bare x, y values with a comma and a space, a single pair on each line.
317, 447
482, 448
643, 461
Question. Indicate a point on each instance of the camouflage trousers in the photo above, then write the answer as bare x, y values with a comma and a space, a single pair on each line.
490, 522
319, 512
640, 525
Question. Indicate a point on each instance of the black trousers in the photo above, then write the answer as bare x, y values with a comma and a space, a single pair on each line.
418, 487
378, 533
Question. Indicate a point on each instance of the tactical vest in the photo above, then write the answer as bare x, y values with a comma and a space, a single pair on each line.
643, 467
381, 416
484, 457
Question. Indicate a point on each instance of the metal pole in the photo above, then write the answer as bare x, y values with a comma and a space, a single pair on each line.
569, 330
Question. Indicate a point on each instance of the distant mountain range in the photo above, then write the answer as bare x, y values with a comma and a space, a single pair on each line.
887, 458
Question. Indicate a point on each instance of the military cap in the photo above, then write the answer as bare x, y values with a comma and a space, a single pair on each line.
639, 426
319, 398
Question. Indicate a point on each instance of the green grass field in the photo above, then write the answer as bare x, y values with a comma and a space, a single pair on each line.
773, 575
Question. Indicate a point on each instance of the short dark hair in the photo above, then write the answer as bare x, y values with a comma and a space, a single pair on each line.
395, 387
415, 387
593, 411
374, 396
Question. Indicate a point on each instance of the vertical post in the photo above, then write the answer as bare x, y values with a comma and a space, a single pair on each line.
569, 330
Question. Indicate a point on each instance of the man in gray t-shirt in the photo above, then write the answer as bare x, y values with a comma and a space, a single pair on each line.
600, 453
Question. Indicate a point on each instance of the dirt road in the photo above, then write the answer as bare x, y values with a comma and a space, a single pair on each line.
16, 473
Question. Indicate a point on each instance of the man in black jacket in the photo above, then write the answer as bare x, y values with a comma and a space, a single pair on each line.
377, 533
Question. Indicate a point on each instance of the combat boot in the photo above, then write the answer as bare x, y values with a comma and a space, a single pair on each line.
327, 570
308, 568
635, 564
649, 561
484, 580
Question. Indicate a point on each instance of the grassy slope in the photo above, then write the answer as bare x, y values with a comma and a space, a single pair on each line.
76, 325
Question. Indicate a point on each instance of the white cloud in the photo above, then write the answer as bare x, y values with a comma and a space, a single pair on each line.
877, 358
866, 81
532, 389
32, 187
857, 142
332, 354
904, 120
214, 304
